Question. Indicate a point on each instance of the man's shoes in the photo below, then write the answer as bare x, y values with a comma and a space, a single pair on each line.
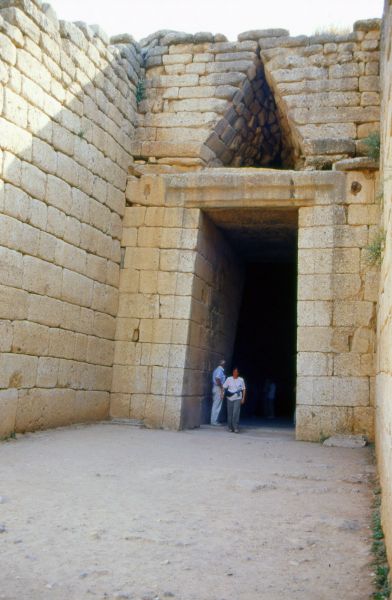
236, 430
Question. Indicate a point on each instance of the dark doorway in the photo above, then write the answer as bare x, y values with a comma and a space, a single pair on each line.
265, 346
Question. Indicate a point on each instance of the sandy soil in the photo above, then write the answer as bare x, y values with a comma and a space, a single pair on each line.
112, 511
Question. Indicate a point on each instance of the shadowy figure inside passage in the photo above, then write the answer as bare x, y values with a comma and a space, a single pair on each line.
235, 391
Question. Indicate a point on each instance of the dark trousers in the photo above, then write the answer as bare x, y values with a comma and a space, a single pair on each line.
233, 413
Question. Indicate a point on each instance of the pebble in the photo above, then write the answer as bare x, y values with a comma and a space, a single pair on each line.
3, 528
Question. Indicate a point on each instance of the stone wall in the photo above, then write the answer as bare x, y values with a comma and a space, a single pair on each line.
267, 99
175, 306
67, 117
337, 297
384, 328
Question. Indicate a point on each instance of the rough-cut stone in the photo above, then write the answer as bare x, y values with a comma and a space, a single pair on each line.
345, 441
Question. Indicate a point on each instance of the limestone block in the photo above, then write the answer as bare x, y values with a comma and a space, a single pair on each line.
16, 203
8, 406
362, 194
183, 307
363, 214
369, 83
42, 277
17, 371
16, 140
100, 351
56, 221
216, 79
127, 353
33, 181
146, 258
372, 68
45, 310
159, 355
186, 119
315, 287
370, 99
105, 298
80, 354
364, 340
76, 288
184, 283
15, 108
315, 260
316, 237
172, 413
120, 405
13, 302
61, 343
363, 421
346, 260
148, 282
202, 105
198, 68
154, 410
39, 214
40, 408
12, 169
347, 285
351, 391
314, 363
7, 50
316, 423
138, 404
349, 236
357, 313
129, 280
47, 372
173, 59
176, 260
129, 379
6, 335
329, 130
141, 306
348, 364
67, 169
346, 70
321, 216
314, 339
372, 282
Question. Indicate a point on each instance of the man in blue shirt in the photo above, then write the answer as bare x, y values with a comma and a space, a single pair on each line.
218, 379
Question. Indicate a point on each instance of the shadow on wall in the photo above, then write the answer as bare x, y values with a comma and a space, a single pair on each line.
68, 114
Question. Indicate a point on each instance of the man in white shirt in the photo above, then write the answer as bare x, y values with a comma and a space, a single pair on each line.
235, 390
218, 379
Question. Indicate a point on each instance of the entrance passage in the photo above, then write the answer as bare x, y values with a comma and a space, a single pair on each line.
265, 242
265, 346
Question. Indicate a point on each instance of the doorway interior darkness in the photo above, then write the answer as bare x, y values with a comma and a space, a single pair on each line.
265, 346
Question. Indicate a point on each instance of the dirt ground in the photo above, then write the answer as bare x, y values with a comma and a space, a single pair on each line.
112, 511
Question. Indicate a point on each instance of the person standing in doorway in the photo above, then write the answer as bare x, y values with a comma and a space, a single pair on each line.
218, 379
269, 398
235, 390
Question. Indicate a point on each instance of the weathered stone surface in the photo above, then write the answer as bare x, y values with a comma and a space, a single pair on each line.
345, 441
256, 34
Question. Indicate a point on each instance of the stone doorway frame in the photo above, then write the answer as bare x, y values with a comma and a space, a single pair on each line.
165, 210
